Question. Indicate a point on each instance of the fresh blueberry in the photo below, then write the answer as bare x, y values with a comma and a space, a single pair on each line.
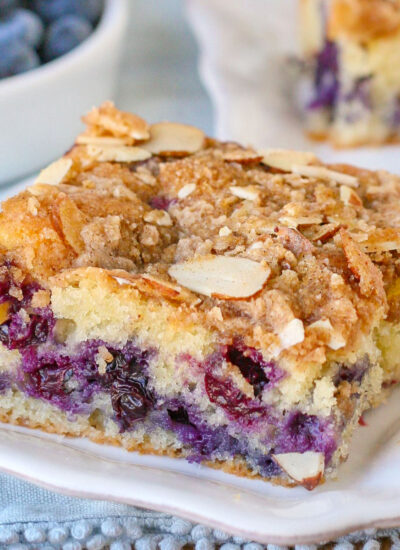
50, 10
7, 7
65, 34
17, 57
22, 25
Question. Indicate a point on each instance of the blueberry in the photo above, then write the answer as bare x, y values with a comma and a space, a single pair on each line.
22, 25
50, 10
7, 6
63, 35
17, 57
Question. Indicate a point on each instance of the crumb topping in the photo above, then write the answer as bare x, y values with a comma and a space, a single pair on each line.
326, 237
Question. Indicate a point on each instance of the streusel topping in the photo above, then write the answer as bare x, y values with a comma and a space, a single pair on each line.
322, 241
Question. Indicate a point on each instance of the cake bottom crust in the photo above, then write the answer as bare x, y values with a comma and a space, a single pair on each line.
54, 423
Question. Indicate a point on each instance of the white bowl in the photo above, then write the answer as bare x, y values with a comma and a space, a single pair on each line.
40, 110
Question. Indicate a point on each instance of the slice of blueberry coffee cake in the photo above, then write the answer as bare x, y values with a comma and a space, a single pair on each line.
176, 295
352, 51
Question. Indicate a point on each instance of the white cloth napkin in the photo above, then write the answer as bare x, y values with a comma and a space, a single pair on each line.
244, 51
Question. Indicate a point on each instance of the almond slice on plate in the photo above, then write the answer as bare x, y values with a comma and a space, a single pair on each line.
221, 276
284, 159
55, 172
121, 153
324, 173
305, 468
174, 139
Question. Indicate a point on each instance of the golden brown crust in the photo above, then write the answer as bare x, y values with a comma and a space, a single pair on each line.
363, 20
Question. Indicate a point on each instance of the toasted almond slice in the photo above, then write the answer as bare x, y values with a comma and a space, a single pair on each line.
326, 232
221, 276
172, 138
117, 154
55, 172
246, 193
284, 159
159, 217
242, 156
336, 340
324, 173
107, 118
155, 286
103, 141
305, 468
224, 231
186, 190
365, 271
72, 222
291, 334
349, 197
292, 221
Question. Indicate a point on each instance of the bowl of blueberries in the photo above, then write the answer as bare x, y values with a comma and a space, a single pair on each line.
58, 58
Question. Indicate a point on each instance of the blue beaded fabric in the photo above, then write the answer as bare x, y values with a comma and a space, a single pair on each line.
32, 518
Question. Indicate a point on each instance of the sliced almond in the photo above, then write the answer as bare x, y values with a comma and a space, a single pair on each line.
72, 222
174, 139
246, 193
336, 340
155, 286
186, 190
221, 276
102, 141
159, 217
291, 334
364, 270
55, 172
326, 232
292, 221
242, 156
324, 173
108, 119
306, 468
349, 197
117, 154
224, 231
284, 159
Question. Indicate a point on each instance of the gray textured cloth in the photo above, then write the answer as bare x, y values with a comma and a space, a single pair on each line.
36, 519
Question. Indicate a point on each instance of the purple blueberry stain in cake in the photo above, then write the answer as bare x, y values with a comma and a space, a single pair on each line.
326, 82
301, 432
5, 382
354, 372
237, 406
360, 92
161, 202
130, 396
259, 373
